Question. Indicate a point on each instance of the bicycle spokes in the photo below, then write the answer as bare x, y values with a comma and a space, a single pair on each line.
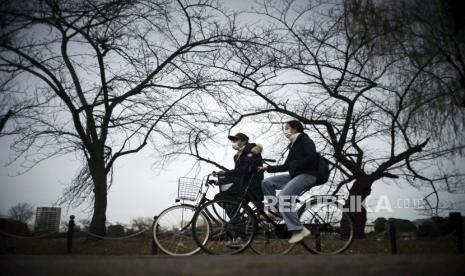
173, 230
232, 227
331, 228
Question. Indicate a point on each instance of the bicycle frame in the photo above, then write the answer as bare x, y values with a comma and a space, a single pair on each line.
242, 199
321, 220
321, 226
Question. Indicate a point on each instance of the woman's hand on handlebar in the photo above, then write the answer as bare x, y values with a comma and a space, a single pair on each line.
216, 174
213, 181
262, 168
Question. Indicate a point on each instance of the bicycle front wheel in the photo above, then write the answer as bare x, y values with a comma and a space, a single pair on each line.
172, 231
232, 226
331, 228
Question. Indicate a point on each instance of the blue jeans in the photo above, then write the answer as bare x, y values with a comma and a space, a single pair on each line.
290, 188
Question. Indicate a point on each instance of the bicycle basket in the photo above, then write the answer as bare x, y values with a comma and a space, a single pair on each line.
189, 188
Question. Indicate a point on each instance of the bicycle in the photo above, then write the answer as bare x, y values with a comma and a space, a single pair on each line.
173, 227
236, 223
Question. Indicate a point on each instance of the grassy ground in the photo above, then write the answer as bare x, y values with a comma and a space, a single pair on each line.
142, 246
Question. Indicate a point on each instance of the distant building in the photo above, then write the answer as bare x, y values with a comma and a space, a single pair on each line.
47, 219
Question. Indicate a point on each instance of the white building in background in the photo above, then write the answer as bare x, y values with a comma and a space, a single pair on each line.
47, 219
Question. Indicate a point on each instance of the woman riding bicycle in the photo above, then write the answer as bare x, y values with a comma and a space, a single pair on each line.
301, 164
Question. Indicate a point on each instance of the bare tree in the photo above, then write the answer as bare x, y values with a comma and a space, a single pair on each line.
312, 65
105, 77
22, 212
430, 37
141, 223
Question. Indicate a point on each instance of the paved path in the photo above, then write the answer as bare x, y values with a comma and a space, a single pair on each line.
290, 265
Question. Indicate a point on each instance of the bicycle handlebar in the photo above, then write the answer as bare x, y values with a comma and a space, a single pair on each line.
215, 174
269, 160
211, 182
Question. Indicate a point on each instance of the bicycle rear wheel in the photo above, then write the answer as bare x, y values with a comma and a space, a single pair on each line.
331, 228
231, 230
172, 230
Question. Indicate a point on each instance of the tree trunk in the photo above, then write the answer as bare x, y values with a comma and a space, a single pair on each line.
99, 177
361, 188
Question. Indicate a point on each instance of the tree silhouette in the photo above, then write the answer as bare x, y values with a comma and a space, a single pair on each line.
22, 212
429, 35
105, 77
315, 64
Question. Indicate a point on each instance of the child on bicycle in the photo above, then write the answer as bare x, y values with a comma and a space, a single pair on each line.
246, 160
245, 174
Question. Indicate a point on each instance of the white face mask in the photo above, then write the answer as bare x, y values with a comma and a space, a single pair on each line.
287, 133
235, 146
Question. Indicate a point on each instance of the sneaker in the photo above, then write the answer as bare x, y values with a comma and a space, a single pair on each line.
235, 243
297, 236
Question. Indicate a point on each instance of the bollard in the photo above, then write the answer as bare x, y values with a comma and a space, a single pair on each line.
456, 220
69, 234
317, 236
154, 245
392, 236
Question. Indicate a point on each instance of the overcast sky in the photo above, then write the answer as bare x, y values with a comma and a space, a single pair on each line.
139, 190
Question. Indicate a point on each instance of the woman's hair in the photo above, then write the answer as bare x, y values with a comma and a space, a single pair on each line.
296, 125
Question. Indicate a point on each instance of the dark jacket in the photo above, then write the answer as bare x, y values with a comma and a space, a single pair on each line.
302, 158
245, 166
